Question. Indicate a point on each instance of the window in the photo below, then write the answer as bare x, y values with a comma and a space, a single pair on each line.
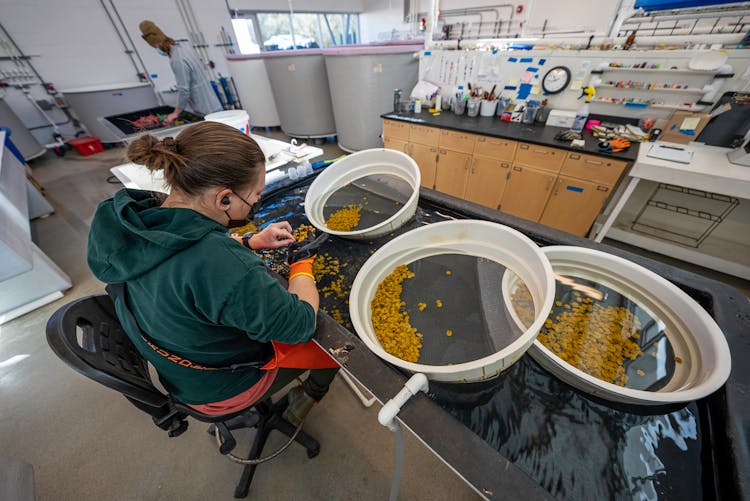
304, 30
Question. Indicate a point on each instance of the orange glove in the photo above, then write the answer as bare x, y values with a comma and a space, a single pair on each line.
302, 268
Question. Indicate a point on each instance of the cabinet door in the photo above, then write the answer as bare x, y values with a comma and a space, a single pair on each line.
574, 205
452, 171
393, 129
395, 144
487, 180
526, 192
426, 158
539, 157
423, 135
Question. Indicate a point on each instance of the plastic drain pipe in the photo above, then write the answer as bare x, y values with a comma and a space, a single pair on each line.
387, 417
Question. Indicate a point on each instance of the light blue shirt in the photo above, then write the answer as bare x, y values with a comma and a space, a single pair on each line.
194, 91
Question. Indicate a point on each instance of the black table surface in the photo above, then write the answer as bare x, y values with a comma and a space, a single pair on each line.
723, 418
493, 126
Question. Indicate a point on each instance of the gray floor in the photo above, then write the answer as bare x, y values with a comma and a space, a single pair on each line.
88, 443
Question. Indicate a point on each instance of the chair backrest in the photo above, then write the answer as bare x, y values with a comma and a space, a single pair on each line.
87, 335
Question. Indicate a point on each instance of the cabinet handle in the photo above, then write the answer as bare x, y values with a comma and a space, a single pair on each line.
602, 188
549, 183
519, 169
557, 188
410, 148
433, 150
542, 152
504, 165
573, 156
524, 146
443, 152
594, 162
481, 139
473, 166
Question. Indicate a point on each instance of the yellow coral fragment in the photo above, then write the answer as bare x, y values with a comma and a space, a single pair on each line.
344, 219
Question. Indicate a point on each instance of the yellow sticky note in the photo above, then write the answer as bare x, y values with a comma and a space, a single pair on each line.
690, 123
576, 85
535, 89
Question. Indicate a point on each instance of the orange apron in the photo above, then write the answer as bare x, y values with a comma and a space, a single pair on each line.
299, 356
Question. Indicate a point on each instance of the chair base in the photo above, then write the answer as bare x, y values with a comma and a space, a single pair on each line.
266, 417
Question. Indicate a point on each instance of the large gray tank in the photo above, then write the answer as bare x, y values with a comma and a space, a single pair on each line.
300, 89
20, 135
362, 80
94, 102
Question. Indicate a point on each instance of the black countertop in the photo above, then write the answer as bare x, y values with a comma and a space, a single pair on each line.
493, 126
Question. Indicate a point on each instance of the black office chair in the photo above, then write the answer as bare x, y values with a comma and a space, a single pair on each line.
87, 335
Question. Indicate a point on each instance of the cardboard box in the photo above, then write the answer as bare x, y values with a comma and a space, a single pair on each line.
684, 127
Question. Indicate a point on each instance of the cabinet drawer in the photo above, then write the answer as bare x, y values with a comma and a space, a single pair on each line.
499, 149
574, 205
593, 168
457, 141
540, 157
423, 135
394, 144
395, 130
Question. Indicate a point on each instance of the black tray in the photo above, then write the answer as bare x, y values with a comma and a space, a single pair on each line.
124, 121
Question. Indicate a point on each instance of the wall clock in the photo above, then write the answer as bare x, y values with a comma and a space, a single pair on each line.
556, 79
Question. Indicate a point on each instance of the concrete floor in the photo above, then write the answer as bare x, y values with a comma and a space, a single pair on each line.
86, 442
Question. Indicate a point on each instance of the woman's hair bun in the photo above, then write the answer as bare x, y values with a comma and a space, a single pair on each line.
155, 154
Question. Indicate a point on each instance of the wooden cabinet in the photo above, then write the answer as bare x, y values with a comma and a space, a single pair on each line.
486, 182
574, 204
526, 192
394, 144
457, 141
423, 135
452, 172
559, 188
393, 129
426, 158
597, 169
500, 149
539, 157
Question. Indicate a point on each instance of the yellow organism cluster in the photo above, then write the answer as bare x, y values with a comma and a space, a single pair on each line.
303, 232
345, 219
594, 338
248, 228
390, 319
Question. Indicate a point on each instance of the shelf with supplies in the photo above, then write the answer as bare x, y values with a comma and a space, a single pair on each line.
653, 70
649, 89
636, 104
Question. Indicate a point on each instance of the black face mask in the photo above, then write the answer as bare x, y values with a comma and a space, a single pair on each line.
236, 223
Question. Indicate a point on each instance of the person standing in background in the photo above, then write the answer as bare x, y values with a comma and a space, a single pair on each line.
194, 90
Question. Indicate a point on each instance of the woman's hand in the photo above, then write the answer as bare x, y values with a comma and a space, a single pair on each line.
273, 236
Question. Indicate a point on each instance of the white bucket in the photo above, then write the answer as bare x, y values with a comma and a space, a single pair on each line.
356, 166
484, 239
239, 119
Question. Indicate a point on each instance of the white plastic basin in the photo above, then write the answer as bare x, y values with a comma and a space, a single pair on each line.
485, 239
376, 161
690, 330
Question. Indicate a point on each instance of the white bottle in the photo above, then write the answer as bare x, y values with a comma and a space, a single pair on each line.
581, 116
305, 169
438, 102
417, 106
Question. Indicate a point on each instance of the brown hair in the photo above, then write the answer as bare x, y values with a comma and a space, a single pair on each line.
202, 156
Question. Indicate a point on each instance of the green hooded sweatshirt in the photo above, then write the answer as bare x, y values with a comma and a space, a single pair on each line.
194, 292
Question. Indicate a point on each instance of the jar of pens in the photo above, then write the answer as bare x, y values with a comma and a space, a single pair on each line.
476, 103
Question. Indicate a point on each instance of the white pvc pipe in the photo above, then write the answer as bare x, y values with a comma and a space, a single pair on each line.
415, 384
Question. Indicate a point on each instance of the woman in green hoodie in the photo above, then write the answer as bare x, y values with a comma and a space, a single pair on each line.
196, 301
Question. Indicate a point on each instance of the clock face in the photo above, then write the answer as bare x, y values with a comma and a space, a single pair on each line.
556, 80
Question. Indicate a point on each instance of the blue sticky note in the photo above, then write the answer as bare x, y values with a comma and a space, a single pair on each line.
542, 61
154, 75
532, 69
524, 90
527, 59
427, 53
509, 87
494, 51
574, 188
512, 59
